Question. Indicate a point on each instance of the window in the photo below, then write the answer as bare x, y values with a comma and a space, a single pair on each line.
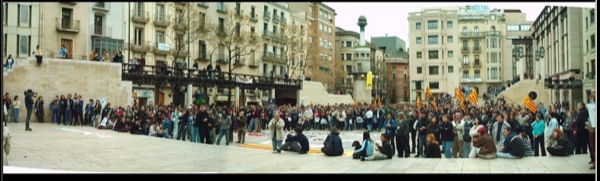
512, 27
237, 28
494, 74
349, 44
450, 69
349, 69
525, 27
434, 70
476, 30
434, 85
464, 31
360, 67
160, 12
4, 44
348, 56
202, 50
138, 35
23, 15
98, 24
449, 24
237, 8
221, 25
160, 37
450, 54
494, 43
432, 25
66, 18
23, 44
592, 16
465, 60
433, 54
494, 58
265, 69
477, 74
419, 40
418, 26
202, 20
465, 74
476, 44
450, 39
476, 59
465, 44
593, 42
419, 55
432, 39
139, 8
419, 70
5, 20
418, 87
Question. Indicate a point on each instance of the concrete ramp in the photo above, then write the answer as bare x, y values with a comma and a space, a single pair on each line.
315, 92
516, 93
61, 77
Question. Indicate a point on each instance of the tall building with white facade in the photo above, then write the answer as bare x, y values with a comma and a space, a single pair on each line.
108, 28
589, 51
20, 28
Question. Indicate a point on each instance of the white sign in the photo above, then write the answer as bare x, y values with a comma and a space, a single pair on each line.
163, 47
478, 8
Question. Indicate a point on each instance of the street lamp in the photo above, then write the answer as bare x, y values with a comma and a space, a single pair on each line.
539, 54
517, 53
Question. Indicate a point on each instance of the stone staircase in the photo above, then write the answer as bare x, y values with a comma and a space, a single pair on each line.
517, 92
92, 80
316, 93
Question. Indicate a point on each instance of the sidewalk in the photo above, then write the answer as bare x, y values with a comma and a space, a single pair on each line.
52, 148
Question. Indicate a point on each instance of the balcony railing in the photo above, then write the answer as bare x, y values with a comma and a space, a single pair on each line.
465, 49
477, 64
144, 47
493, 33
275, 18
159, 50
465, 65
267, 16
223, 60
472, 34
67, 25
477, 49
222, 8
161, 20
253, 17
140, 16
267, 34
283, 20
103, 31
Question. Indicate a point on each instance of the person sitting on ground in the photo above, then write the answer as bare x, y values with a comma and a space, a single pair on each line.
156, 130
296, 143
512, 147
365, 149
433, 147
137, 127
483, 145
527, 144
385, 151
333, 144
563, 146
121, 125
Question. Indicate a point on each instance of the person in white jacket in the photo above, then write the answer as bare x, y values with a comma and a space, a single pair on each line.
459, 143
276, 129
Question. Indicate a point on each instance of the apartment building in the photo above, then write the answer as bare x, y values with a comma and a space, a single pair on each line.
395, 77
108, 29
346, 41
559, 32
21, 28
589, 51
321, 36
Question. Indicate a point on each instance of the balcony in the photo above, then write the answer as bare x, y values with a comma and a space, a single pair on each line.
477, 64
161, 48
102, 31
140, 16
470, 80
66, 25
138, 48
274, 58
472, 34
239, 62
267, 35
275, 18
161, 20
253, 18
101, 7
223, 60
465, 49
203, 4
182, 53
222, 8
267, 16
493, 33
477, 49
465, 65
283, 21
178, 24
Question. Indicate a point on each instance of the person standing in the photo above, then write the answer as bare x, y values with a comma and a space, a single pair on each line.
225, 123
241, 127
38, 55
591, 123
538, 135
39, 109
29, 106
16, 107
63, 52
8, 104
203, 125
402, 135
447, 135
276, 127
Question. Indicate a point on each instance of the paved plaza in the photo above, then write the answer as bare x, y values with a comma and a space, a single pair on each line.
52, 148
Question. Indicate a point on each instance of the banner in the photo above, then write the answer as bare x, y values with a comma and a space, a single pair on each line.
244, 80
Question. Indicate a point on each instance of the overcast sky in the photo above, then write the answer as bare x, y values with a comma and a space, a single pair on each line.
391, 18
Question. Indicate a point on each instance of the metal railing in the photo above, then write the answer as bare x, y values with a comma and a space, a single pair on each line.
101, 31
67, 25
267, 16
140, 16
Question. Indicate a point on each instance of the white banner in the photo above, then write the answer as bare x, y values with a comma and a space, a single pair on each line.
243, 80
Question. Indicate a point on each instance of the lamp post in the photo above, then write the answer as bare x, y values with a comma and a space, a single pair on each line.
517, 53
539, 54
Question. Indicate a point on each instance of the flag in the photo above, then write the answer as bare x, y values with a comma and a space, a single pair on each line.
459, 95
529, 104
369, 80
355, 103
427, 93
419, 104
379, 102
462, 106
435, 107
473, 97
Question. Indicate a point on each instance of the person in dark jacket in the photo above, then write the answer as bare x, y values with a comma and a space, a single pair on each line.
513, 146
203, 125
389, 125
433, 147
333, 144
297, 143
29, 106
384, 152
563, 146
402, 136
581, 134
447, 135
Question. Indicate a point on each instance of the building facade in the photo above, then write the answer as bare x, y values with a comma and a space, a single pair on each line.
435, 51
108, 28
398, 80
558, 32
345, 42
21, 29
65, 23
589, 51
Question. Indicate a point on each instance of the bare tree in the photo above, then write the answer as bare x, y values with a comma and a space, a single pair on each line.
188, 28
233, 39
294, 44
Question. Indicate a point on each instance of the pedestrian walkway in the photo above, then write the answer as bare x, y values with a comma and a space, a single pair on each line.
52, 148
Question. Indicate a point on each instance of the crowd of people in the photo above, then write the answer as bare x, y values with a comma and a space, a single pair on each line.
498, 130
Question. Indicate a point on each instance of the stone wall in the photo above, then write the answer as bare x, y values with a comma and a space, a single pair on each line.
515, 94
315, 92
94, 80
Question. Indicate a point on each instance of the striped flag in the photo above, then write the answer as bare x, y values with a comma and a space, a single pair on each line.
459, 95
529, 104
473, 97
427, 93
419, 104
435, 107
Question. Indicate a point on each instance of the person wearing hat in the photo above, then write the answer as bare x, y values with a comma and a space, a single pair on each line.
483, 145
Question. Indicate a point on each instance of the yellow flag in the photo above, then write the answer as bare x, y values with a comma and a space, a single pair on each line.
369, 80
427, 93
419, 104
473, 97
